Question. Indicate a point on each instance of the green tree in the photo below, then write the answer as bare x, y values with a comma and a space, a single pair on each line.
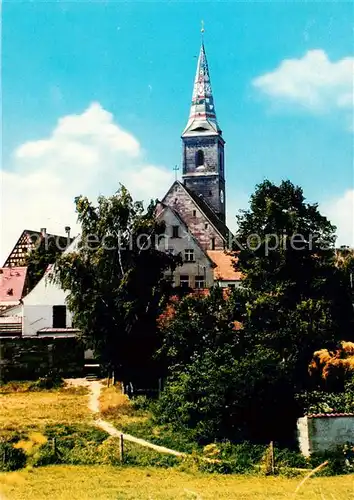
242, 383
46, 252
116, 282
197, 323
295, 299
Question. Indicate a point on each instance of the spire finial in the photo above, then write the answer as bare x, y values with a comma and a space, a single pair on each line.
202, 29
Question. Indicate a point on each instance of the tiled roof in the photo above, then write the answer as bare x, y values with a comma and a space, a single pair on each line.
224, 270
330, 415
12, 281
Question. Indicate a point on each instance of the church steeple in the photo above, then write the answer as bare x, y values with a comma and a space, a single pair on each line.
203, 144
202, 116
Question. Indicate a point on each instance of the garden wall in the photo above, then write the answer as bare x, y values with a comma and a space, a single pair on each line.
322, 432
27, 358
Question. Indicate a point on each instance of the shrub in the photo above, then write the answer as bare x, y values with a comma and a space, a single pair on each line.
46, 455
286, 458
340, 461
11, 458
50, 381
141, 403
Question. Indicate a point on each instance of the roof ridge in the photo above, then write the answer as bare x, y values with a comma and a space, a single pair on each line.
200, 200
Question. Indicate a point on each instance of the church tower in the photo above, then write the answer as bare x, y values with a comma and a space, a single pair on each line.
203, 144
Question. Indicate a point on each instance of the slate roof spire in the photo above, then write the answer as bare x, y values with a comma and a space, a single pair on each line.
202, 117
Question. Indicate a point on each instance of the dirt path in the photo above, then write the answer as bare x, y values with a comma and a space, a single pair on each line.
95, 388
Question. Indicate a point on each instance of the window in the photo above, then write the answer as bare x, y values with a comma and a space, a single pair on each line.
210, 193
194, 213
221, 162
199, 282
212, 244
206, 225
189, 255
199, 158
59, 316
231, 286
175, 231
184, 280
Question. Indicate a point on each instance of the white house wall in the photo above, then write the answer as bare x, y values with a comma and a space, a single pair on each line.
324, 432
41, 316
201, 266
38, 306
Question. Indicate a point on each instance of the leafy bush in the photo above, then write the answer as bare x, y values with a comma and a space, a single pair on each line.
327, 402
46, 455
10, 457
141, 403
50, 381
340, 461
286, 458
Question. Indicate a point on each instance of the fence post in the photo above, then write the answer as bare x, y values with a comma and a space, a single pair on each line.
271, 452
121, 448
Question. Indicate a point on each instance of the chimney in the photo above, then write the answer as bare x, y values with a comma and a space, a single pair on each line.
43, 231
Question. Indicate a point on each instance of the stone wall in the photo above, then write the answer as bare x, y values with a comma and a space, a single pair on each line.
27, 358
319, 433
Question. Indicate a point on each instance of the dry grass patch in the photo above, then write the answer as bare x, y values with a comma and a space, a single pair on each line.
110, 483
116, 407
23, 410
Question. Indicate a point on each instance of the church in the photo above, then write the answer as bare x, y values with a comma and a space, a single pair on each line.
194, 210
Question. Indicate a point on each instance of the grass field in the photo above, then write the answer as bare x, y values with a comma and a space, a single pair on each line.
23, 410
111, 483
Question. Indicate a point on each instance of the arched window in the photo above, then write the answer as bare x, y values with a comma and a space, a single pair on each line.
199, 158
221, 162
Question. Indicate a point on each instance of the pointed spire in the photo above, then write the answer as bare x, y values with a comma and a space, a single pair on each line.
202, 113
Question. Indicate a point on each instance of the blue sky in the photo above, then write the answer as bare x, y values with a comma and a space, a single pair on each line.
138, 59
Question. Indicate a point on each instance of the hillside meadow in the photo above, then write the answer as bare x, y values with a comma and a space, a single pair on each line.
92, 470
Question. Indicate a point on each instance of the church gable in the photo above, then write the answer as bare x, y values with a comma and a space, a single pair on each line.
204, 226
197, 267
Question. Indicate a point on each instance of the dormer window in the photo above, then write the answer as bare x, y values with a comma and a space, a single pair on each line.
199, 158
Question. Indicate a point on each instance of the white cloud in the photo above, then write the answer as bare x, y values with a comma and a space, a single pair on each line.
340, 212
313, 82
86, 154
